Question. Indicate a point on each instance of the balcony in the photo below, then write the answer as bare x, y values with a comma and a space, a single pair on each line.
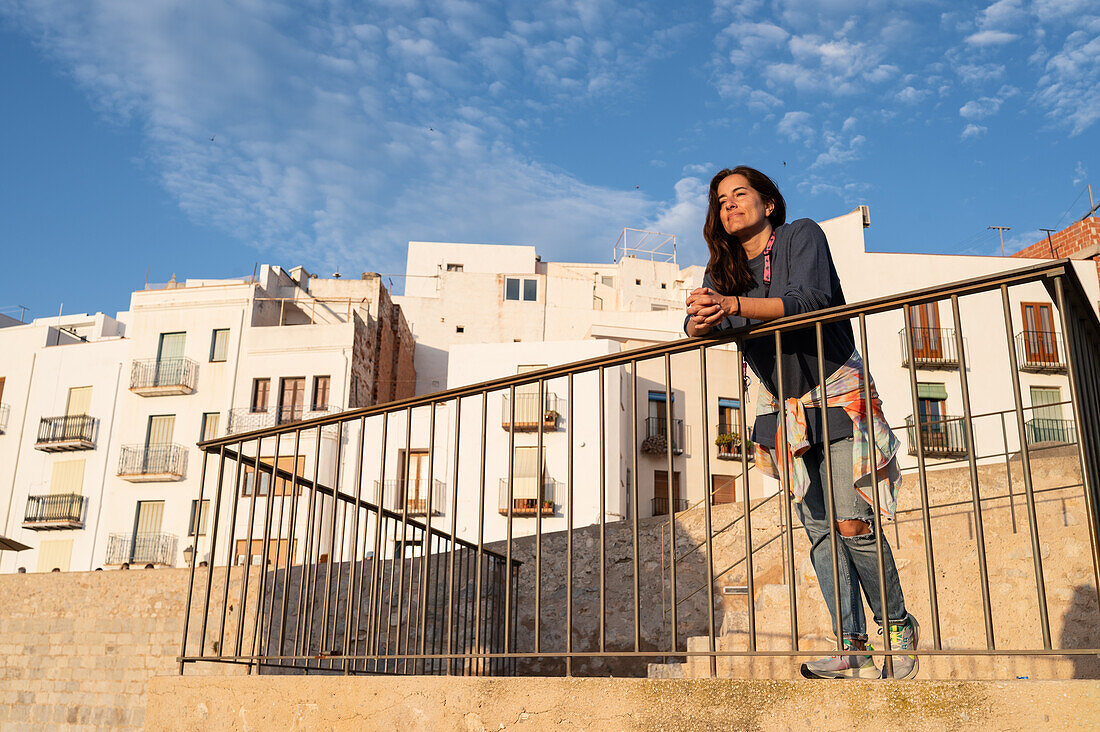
660, 505
524, 501
247, 420
410, 497
1040, 352
1043, 429
151, 463
729, 443
529, 416
943, 437
54, 511
142, 549
5, 410
163, 377
67, 433
656, 436
934, 348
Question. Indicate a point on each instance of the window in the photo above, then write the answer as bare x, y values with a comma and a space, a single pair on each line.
196, 525
209, 426
925, 320
637, 282
320, 392
931, 402
277, 551
657, 307
460, 329
67, 478
171, 346
728, 419
260, 390
607, 281
512, 287
160, 429
454, 267
664, 286
1039, 332
657, 406
80, 401
292, 399
219, 345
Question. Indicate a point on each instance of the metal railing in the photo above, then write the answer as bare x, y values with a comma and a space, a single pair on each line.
371, 590
248, 420
661, 504
528, 416
5, 410
152, 460
413, 494
1045, 429
142, 548
1040, 351
163, 373
934, 348
55, 510
527, 505
729, 443
658, 436
71, 431
942, 436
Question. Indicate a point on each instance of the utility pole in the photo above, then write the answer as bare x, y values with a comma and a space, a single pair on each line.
1050, 243
1001, 230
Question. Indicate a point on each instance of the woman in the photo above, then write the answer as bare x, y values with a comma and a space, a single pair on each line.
762, 268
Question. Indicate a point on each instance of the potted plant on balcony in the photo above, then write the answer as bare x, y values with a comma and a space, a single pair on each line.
550, 417
726, 444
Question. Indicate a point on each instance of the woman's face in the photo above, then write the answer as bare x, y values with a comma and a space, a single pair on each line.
743, 211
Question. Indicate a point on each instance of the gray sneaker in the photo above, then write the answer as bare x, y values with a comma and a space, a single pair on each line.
903, 637
849, 666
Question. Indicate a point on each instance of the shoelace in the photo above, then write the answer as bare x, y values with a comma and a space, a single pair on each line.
899, 640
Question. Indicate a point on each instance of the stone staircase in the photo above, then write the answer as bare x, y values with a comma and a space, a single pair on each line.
1064, 548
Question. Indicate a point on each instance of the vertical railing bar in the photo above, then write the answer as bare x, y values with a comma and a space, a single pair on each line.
454, 537
671, 482
377, 571
635, 507
1075, 358
291, 528
785, 487
1025, 464
880, 556
922, 477
317, 505
708, 499
242, 601
569, 532
540, 491
481, 522
602, 406
975, 488
355, 586
269, 512
511, 501
404, 493
194, 560
268, 631
336, 510
830, 497
307, 550
743, 446
229, 551
393, 649
425, 551
1008, 472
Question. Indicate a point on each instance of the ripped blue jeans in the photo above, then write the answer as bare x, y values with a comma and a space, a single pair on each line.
857, 561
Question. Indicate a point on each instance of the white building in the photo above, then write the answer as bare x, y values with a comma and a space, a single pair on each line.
98, 459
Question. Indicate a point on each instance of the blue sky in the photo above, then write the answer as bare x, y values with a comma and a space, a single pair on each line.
342, 130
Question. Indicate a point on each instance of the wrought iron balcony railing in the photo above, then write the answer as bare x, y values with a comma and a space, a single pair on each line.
148, 463
163, 377
656, 436
729, 443
5, 410
529, 415
69, 432
942, 436
1040, 351
140, 549
1043, 429
246, 420
524, 500
412, 495
660, 505
54, 511
934, 348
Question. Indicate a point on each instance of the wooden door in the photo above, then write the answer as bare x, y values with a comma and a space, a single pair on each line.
664, 504
292, 399
1039, 340
927, 343
415, 471
723, 489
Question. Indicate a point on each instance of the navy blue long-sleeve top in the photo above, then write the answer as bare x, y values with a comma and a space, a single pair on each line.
805, 279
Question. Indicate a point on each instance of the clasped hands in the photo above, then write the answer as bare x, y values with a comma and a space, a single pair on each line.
705, 308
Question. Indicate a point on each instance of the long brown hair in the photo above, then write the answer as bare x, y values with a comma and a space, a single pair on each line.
729, 265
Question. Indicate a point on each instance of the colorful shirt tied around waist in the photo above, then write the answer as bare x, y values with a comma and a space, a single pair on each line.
843, 389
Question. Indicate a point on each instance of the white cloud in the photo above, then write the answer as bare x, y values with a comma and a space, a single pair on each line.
911, 96
684, 218
1080, 173
990, 38
980, 108
796, 127
972, 131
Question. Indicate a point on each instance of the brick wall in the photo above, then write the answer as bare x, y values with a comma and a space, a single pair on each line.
1077, 241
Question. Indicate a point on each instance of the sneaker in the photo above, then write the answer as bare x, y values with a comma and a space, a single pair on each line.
841, 667
903, 637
